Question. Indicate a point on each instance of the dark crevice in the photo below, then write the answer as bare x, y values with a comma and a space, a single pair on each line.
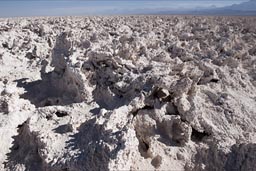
183, 119
4, 107
197, 136
146, 107
61, 113
48, 117
214, 80
145, 146
172, 109
5, 45
21, 125
135, 112
30, 56
62, 129
168, 98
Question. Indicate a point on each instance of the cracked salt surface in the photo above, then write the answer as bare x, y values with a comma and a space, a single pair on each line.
128, 93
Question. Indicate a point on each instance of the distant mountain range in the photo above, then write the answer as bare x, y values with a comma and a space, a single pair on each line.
245, 8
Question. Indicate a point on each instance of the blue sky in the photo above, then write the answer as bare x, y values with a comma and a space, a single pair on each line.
11, 8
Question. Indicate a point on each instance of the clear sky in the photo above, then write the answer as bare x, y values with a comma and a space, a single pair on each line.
10, 8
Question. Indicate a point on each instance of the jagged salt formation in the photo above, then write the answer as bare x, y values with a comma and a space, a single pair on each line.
128, 93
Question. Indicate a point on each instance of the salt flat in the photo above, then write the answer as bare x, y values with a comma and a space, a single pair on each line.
128, 93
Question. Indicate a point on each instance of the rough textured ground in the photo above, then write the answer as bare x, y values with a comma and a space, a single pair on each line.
128, 93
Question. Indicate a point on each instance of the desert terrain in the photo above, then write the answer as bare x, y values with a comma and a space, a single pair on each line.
128, 93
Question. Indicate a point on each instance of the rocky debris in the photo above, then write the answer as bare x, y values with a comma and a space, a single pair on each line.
128, 93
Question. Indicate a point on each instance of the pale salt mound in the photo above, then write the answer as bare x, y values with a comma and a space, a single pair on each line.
128, 93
